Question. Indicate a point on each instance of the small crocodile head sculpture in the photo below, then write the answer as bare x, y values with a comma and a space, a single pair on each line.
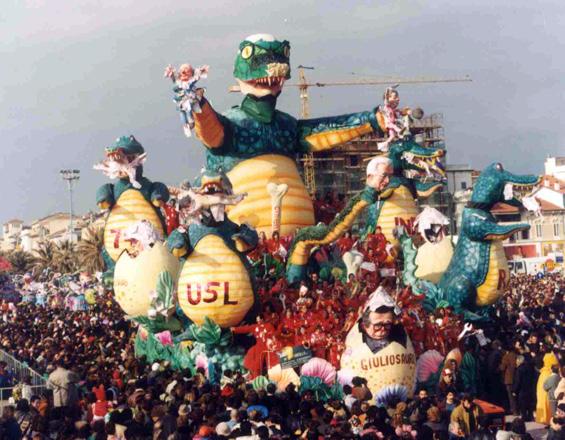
498, 185
124, 160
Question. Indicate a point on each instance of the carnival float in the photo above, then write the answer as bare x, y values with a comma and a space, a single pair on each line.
187, 271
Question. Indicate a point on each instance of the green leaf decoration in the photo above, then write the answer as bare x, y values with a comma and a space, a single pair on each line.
165, 286
260, 383
158, 324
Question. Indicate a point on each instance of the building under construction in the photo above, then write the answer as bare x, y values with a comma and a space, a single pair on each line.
342, 169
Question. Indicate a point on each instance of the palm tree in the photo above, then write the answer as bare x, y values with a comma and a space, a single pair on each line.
65, 260
89, 250
44, 257
21, 261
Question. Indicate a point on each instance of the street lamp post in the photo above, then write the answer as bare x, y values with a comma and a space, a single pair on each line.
70, 176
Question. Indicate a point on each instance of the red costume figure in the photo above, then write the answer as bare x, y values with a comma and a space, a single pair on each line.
289, 321
171, 216
345, 243
335, 349
258, 355
431, 339
318, 342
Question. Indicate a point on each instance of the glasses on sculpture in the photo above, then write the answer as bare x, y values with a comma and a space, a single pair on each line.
381, 325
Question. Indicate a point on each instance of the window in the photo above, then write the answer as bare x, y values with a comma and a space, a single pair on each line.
526, 235
538, 230
556, 229
463, 185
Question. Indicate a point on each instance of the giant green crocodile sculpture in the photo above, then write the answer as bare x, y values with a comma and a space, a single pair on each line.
256, 144
131, 199
410, 162
478, 272
418, 173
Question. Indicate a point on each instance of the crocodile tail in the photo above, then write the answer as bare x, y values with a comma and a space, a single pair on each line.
409, 253
373, 213
320, 235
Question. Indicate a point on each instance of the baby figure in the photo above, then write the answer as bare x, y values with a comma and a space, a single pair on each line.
396, 121
186, 95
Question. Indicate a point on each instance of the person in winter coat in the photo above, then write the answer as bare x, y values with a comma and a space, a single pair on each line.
550, 386
63, 383
524, 387
467, 414
508, 368
10, 425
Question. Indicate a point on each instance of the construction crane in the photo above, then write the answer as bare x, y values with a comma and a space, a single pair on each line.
303, 85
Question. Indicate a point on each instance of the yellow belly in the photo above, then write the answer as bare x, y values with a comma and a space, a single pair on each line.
130, 208
214, 282
252, 176
497, 277
400, 208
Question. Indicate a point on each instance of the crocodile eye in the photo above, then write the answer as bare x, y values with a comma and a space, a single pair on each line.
498, 166
246, 52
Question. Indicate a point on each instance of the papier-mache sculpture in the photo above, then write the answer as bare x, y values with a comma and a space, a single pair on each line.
215, 281
256, 144
185, 92
378, 349
131, 199
478, 271
417, 173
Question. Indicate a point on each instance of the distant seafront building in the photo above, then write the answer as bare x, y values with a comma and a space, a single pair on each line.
54, 228
11, 231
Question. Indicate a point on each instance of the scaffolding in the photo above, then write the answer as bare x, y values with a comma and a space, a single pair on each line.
342, 169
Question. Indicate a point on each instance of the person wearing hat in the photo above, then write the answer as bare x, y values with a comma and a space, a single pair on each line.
223, 430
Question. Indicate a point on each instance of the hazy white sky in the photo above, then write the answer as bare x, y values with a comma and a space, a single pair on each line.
77, 74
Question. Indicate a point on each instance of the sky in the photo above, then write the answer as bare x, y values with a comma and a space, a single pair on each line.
76, 75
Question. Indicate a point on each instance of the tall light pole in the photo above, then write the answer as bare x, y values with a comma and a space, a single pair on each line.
70, 176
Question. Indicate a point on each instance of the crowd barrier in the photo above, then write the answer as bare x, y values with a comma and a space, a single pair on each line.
19, 371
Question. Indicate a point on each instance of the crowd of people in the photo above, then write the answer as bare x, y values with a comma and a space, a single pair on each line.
98, 389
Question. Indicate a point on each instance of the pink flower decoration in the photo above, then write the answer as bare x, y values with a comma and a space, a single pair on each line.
165, 338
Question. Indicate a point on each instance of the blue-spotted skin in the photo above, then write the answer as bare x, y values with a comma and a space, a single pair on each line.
247, 137
464, 284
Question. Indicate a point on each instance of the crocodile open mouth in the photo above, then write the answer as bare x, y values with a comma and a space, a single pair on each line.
212, 188
426, 167
267, 82
524, 193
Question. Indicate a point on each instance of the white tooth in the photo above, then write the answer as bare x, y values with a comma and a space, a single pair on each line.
217, 212
508, 191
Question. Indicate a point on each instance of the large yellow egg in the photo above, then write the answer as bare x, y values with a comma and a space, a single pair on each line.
251, 176
130, 208
433, 259
136, 277
393, 365
215, 283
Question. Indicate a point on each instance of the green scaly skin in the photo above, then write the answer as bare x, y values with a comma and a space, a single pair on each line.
469, 265
109, 193
295, 272
256, 127
417, 185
